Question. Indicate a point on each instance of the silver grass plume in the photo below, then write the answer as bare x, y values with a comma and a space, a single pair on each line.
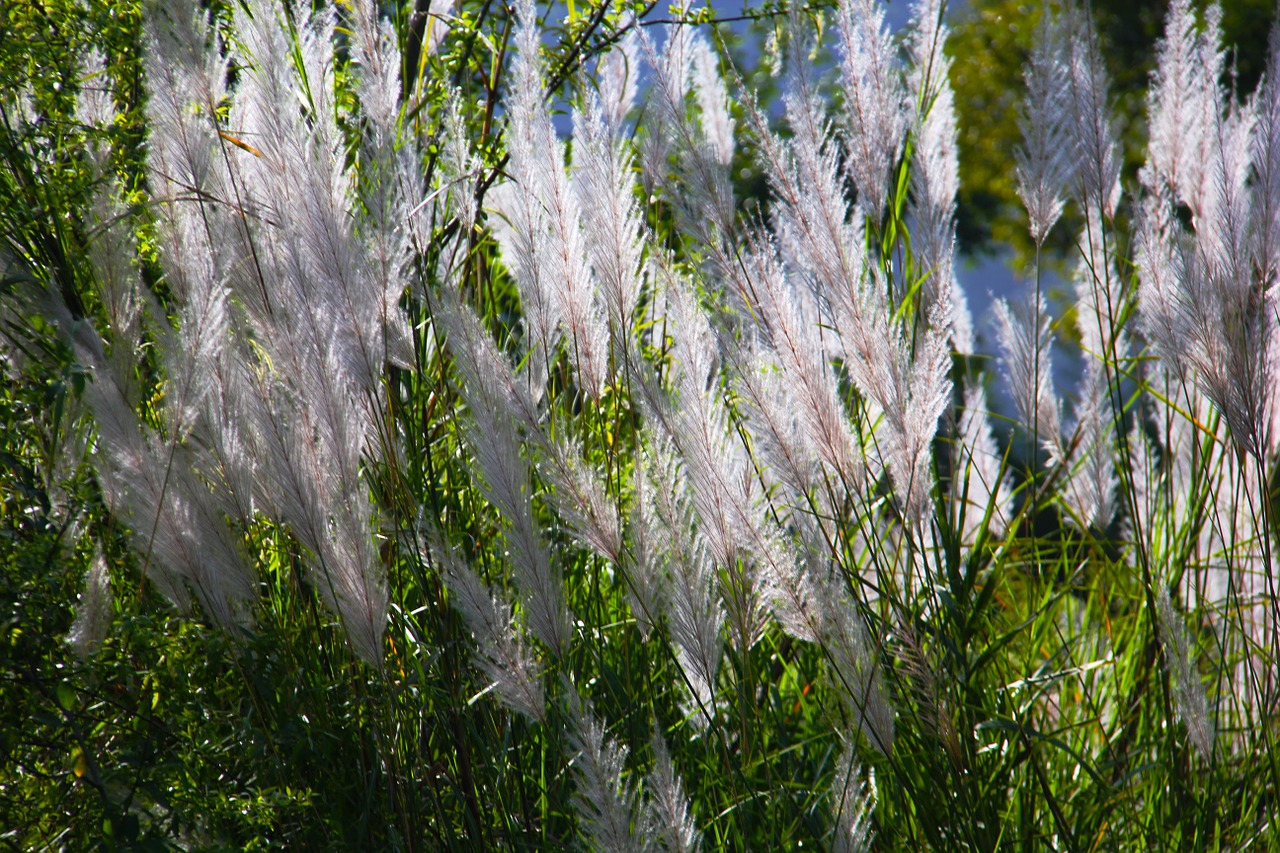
1046, 158
612, 225
294, 264
1200, 307
553, 257
176, 526
1181, 103
93, 612
389, 172
667, 814
1188, 690
846, 643
685, 572
1025, 340
324, 324
699, 188
875, 101
1089, 493
578, 492
605, 802
854, 802
778, 437
505, 474
935, 171
810, 385
618, 74
1090, 122
1266, 166
713, 102
111, 246
500, 652
459, 168
815, 226
978, 477
1097, 287
910, 392
724, 490
644, 560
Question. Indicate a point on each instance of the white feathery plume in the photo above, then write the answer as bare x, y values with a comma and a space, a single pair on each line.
1090, 490
1266, 166
491, 432
1098, 300
1200, 306
228, 457
1046, 158
389, 175
855, 802
519, 227
488, 377
700, 190
645, 558
666, 90
1224, 218
823, 245
809, 381
1181, 102
911, 392
317, 314
811, 218
499, 653
458, 168
93, 612
529, 136
1025, 339
551, 254
1188, 690
203, 324
694, 613
612, 224
580, 497
721, 481
875, 101
666, 806
324, 324
1089, 115
778, 437
713, 101
185, 65
1164, 256
111, 245
605, 802
977, 476
935, 173
176, 525
373, 47
618, 75
844, 639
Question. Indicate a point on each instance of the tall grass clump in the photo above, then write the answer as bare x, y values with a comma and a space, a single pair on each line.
425, 436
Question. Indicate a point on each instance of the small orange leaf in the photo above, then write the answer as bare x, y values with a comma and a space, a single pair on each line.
240, 144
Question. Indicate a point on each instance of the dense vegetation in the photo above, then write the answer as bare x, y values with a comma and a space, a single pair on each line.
485, 426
